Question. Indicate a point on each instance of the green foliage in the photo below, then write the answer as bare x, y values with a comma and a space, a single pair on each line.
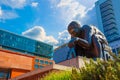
58, 75
99, 70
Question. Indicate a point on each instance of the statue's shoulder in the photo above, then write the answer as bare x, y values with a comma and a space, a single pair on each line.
86, 27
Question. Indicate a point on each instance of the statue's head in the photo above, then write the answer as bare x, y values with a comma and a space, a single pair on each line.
74, 28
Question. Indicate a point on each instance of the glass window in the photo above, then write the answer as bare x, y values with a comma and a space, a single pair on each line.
36, 66
40, 67
41, 62
4, 75
46, 62
36, 60
51, 63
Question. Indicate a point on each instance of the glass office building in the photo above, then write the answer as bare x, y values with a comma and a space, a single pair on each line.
25, 45
61, 53
109, 21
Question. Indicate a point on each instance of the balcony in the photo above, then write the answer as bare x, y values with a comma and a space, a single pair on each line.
108, 2
110, 11
106, 8
110, 16
109, 22
109, 27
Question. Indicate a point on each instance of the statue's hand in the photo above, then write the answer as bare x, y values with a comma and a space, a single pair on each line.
70, 45
77, 41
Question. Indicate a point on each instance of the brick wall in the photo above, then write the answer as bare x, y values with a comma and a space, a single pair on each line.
14, 60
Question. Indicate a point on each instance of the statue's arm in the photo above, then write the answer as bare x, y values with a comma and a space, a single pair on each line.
71, 42
87, 41
82, 42
79, 41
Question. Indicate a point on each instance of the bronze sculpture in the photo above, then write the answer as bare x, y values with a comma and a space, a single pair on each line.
89, 40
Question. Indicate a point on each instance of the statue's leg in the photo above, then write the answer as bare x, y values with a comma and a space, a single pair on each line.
97, 47
79, 51
68, 55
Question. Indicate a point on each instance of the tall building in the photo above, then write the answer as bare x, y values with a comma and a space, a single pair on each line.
109, 21
25, 45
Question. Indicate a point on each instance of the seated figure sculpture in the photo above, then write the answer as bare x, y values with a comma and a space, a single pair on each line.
89, 40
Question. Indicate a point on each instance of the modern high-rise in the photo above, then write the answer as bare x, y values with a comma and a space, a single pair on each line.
17, 43
108, 17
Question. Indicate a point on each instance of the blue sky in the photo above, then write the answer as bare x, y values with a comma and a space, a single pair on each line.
45, 20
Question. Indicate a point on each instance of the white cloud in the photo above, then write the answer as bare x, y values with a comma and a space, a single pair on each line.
74, 10
63, 37
87, 3
71, 8
64, 3
14, 3
34, 4
11, 14
0, 11
38, 33
90, 17
5, 14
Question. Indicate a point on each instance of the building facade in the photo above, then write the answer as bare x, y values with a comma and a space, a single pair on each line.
67, 65
109, 21
40, 63
60, 53
63, 53
13, 64
19, 55
25, 45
